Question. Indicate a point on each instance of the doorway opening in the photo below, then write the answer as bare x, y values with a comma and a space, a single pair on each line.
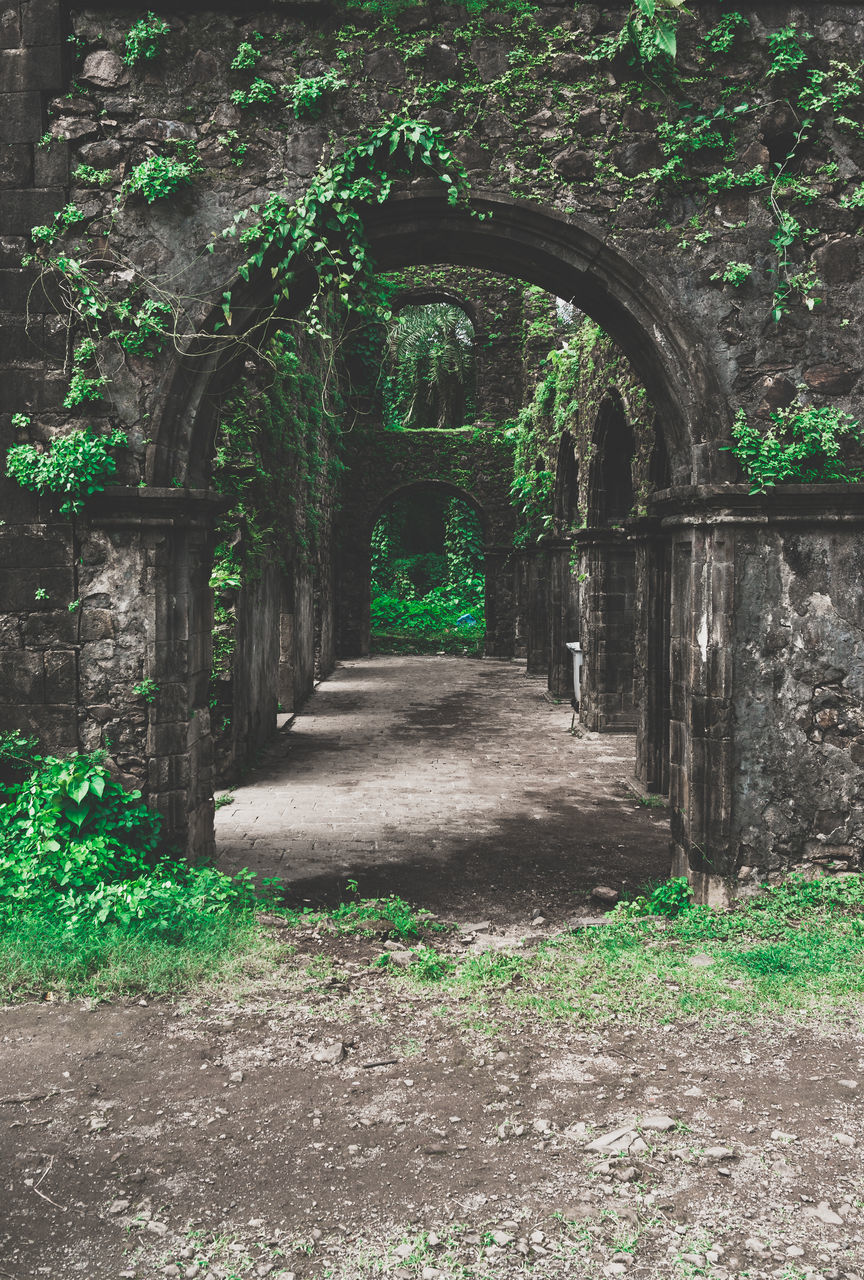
428, 577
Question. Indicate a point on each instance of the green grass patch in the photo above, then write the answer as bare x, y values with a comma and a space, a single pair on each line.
797, 948
89, 904
368, 917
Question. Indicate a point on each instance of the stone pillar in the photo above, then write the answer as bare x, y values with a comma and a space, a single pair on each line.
147, 560
563, 617
500, 602
537, 613
608, 630
652, 677
353, 574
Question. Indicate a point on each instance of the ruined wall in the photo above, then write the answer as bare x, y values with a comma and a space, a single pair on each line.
662, 220
798, 707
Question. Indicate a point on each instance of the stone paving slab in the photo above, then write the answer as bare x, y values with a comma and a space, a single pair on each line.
451, 781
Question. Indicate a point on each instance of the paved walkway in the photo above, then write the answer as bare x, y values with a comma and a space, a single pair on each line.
450, 781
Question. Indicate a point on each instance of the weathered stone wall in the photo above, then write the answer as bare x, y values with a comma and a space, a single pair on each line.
571, 156
798, 705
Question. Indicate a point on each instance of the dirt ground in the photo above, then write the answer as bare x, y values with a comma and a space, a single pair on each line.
328, 1120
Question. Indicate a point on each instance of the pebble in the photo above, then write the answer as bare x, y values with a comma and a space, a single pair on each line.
701, 960
719, 1153
119, 1206
826, 1214
779, 1136
331, 1053
794, 1251
403, 958
851, 1085
236, 1077
754, 1244
501, 1238
657, 1123
158, 1228
171, 1270
844, 1139
192, 1271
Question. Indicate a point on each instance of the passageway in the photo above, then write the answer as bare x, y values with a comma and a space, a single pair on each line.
451, 782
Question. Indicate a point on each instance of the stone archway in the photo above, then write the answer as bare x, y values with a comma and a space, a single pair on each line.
567, 255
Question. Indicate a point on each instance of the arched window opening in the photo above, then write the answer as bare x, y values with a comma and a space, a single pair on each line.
659, 473
427, 579
566, 502
614, 446
429, 378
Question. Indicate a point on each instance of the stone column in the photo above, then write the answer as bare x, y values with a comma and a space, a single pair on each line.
500, 602
563, 617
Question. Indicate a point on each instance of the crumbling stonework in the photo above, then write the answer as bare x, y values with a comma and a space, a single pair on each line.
567, 151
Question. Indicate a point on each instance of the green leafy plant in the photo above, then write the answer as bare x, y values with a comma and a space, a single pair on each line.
787, 55
62, 220
20, 421
259, 94
159, 177
649, 37
92, 177
72, 467
147, 689
803, 444
145, 39
721, 38
307, 95
734, 273
246, 57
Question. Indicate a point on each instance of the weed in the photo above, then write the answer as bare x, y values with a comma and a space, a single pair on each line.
145, 39
73, 466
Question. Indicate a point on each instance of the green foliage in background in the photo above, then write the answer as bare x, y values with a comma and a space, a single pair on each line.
429, 602
803, 445
429, 378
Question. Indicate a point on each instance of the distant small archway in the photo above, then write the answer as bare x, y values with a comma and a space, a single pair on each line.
610, 496
566, 496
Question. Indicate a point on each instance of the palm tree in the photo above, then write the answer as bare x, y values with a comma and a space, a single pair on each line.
431, 363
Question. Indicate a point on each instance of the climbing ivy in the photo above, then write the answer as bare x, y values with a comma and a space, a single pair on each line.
803, 444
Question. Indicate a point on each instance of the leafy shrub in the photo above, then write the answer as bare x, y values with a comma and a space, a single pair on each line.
259, 94
246, 57
159, 177
734, 273
145, 39
82, 389
721, 38
92, 177
787, 56
668, 899
62, 220
803, 444
74, 465
306, 95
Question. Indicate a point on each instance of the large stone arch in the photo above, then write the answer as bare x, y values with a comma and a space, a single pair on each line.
567, 255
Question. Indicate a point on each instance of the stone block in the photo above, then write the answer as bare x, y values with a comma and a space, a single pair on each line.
51, 165
42, 22
31, 68
61, 676
104, 69
830, 379
21, 677
22, 209
16, 166
385, 66
20, 121
56, 626
10, 28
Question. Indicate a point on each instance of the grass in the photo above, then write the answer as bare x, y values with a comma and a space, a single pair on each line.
796, 948
368, 916
39, 956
